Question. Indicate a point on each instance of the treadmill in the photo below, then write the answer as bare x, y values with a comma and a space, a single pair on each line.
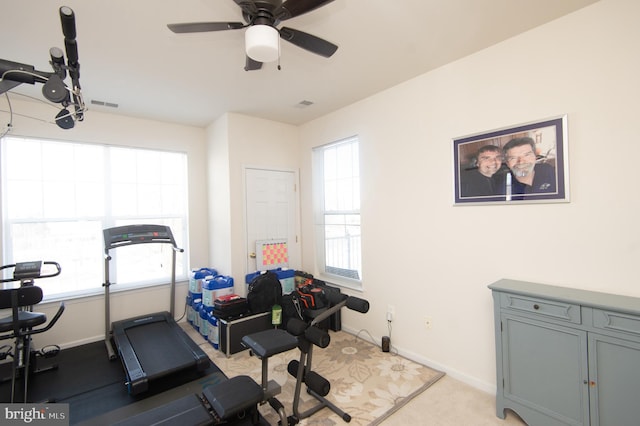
150, 346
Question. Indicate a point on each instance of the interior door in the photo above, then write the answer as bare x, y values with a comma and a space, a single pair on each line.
271, 212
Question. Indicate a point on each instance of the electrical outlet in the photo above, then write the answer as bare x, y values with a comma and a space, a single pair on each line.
391, 312
427, 323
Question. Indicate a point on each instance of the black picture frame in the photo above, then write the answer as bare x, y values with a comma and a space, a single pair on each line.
546, 179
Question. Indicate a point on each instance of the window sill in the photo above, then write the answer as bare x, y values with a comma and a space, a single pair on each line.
342, 282
113, 289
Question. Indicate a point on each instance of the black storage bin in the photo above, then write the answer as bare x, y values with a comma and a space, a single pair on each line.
233, 330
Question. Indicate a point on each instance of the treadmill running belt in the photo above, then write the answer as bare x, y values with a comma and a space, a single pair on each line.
159, 349
153, 346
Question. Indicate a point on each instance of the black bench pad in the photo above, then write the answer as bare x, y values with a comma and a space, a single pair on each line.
187, 410
232, 396
270, 342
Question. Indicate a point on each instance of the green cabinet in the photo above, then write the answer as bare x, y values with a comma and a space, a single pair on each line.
566, 356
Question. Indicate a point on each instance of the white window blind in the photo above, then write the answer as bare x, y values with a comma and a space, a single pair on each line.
57, 197
337, 207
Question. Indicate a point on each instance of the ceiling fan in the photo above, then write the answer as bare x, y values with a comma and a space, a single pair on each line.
262, 36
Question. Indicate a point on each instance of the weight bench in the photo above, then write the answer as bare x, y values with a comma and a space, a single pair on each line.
236, 398
310, 335
265, 344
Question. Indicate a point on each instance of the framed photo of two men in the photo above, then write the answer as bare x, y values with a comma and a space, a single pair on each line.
526, 163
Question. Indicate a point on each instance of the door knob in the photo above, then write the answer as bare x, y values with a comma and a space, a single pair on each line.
252, 255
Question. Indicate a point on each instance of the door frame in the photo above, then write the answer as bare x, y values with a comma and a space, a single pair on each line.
295, 249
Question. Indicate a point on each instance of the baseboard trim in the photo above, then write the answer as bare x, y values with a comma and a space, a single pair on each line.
81, 342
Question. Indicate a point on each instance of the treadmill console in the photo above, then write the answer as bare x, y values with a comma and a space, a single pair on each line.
137, 234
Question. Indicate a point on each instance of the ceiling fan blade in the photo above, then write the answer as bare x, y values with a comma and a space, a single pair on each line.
308, 42
252, 65
292, 8
247, 6
201, 27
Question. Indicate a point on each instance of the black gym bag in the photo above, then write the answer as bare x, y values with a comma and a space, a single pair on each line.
265, 291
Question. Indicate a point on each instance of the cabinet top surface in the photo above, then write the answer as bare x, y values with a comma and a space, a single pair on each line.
572, 295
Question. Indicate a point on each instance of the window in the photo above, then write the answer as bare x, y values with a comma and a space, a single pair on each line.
57, 197
337, 207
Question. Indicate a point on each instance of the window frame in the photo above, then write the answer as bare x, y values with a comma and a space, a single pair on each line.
107, 219
320, 212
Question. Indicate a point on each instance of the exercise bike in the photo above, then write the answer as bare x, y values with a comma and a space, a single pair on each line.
20, 324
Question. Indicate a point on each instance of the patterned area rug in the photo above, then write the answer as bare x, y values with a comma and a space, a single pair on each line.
366, 383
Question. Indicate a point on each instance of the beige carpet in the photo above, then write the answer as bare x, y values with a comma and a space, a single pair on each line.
367, 383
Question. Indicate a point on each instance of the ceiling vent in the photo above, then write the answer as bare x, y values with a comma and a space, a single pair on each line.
102, 103
304, 104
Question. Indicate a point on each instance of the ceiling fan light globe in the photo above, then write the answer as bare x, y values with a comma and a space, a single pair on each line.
262, 43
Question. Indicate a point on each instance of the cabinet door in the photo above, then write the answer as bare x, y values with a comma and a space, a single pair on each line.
545, 370
615, 381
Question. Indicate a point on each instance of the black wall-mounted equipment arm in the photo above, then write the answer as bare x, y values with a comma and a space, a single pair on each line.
54, 89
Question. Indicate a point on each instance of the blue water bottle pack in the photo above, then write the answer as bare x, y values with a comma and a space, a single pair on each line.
197, 276
215, 287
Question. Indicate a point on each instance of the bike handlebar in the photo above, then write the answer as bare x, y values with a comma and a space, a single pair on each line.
30, 270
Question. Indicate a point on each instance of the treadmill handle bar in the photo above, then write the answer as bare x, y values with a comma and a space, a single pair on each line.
107, 310
172, 306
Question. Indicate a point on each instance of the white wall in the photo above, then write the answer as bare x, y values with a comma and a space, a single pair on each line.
251, 142
83, 319
218, 194
428, 258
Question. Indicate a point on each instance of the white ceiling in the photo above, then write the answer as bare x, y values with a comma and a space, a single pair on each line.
129, 57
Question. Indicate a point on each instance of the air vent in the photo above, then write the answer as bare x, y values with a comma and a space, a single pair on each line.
304, 104
102, 103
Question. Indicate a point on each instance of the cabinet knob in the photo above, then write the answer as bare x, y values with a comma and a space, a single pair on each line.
536, 307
